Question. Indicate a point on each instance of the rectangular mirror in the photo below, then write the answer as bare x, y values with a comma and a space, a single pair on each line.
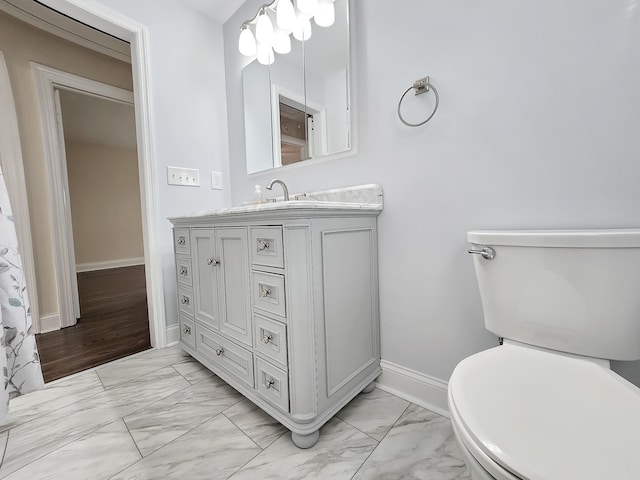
298, 108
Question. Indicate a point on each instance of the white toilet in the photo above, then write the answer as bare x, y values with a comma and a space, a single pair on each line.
545, 404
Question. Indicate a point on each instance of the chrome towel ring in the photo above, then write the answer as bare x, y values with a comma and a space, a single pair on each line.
420, 86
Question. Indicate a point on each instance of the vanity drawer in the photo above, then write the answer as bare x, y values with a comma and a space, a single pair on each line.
227, 355
272, 384
268, 292
183, 269
270, 339
185, 300
187, 331
181, 241
266, 246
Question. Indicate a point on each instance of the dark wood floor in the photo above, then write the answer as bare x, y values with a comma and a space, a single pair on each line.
114, 323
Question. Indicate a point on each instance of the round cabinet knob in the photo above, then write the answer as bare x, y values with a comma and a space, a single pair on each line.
269, 383
187, 330
185, 300
263, 245
183, 271
265, 292
219, 351
182, 241
213, 262
267, 338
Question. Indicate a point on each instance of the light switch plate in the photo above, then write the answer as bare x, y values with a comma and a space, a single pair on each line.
183, 176
216, 180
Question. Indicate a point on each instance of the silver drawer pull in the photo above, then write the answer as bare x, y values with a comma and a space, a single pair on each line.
213, 262
182, 241
187, 330
265, 292
263, 245
269, 382
219, 351
487, 253
184, 271
185, 300
267, 338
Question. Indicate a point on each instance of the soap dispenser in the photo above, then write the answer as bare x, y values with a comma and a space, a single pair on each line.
257, 195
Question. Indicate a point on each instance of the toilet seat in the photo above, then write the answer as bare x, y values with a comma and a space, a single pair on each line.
538, 415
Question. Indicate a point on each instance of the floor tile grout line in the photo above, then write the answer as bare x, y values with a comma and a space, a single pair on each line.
85, 434
234, 424
101, 425
140, 376
165, 445
182, 434
379, 441
36, 417
361, 431
87, 372
133, 440
89, 432
4, 450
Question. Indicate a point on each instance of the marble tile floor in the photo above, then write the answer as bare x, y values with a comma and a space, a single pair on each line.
161, 415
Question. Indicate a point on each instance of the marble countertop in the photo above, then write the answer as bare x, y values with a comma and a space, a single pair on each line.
358, 198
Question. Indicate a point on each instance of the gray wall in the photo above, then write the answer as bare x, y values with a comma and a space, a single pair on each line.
537, 128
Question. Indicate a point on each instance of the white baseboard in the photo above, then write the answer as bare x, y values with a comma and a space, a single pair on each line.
124, 262
416, 387
49, 323
173, 335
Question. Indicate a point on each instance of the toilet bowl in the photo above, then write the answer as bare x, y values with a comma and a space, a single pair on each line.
545, 404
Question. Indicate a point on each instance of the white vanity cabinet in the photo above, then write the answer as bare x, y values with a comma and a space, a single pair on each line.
283, 305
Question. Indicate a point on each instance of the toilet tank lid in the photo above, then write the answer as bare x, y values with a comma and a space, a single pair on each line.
596, 238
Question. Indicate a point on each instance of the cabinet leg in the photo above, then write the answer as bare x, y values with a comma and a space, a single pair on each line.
369, 388
305, 441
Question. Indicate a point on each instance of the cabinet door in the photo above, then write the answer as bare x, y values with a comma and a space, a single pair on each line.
205, 276
233, 293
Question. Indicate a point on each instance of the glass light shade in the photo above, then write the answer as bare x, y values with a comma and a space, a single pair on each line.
302, 31
264, 29
247, 42
265, 54
307, 6
282, 42
325, 15
285, 15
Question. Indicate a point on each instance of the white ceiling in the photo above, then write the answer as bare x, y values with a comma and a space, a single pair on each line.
91, 119
218, 10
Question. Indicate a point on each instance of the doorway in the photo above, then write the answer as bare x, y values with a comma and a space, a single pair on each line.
103, 223
149, 256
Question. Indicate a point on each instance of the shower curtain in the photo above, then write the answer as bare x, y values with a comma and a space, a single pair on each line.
20, 362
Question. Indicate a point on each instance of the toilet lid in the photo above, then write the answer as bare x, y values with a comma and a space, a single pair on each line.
545, 416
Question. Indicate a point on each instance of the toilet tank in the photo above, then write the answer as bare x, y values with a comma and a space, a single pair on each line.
575, 291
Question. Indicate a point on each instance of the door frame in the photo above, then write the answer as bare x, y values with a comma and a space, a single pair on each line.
118, 25
13, 169
48, 82
317, 111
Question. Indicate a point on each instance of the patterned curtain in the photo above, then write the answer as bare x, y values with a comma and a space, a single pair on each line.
20, 364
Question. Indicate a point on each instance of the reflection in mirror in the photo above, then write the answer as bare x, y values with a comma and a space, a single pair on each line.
298, 107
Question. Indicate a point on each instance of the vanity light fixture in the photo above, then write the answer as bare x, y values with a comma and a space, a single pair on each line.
302, 30
275, 21
264, 29
285, 15
308, 7
247, 42
325, 14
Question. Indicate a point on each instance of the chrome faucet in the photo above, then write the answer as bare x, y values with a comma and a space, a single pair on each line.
284, 188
